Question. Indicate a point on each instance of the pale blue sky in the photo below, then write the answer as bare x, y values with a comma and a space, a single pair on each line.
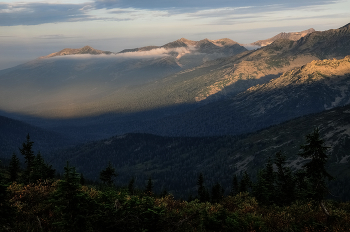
33, 28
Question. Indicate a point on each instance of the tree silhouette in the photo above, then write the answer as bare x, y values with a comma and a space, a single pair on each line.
315, 170
29, 157
149, 187
14, 168
107, 175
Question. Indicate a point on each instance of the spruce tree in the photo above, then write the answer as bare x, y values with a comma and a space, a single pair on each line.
149, 187
82, 179
217, 193
6, 211
72, 205
285, 181
235, 186
107, 175
202, 192
245, 183
131, 187
14, 168
29, 157
41, 170
315, 170
264, 189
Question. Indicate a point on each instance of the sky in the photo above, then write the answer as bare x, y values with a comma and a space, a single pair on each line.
34, 28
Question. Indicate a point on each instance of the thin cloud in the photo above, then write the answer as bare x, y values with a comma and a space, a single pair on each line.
60, 36
39, 13
195, 5
154, 53
12, 14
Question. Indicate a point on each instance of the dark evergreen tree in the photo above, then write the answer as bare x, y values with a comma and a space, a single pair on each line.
202, 191
107, 175
82, 179
14, 168
149, 187
72, 204
164, 193
245, 183
41, 170
285, 181
235, 186
217, 193
315, 170
264, 189
6, 211
29, 157
131, 186
302, 185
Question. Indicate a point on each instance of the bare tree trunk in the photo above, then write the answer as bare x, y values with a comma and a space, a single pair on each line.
324, 209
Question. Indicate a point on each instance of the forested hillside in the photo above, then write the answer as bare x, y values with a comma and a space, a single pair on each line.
174, 162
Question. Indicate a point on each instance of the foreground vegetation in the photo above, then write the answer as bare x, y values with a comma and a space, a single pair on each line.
32, 198
63, 206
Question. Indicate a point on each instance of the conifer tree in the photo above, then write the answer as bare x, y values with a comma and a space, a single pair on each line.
245, 183
14, 168
82, 179
131, 187
29, 157
235, 186
217, 193
164, 193
41, 170
107, 175
6, 211
285, 182
315, 170
202, 192
72, 204
149, 187
264, 189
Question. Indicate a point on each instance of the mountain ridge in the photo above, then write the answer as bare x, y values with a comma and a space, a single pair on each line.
77, 51
283, 35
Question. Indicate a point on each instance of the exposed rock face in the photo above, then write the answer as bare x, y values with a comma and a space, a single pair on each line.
283, 35
76, 51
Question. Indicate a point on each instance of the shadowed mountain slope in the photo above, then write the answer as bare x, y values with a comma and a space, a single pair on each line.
315, 87
13, 133
174, 162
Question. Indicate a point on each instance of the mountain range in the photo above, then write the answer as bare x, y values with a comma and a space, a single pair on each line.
185, 107
152, 90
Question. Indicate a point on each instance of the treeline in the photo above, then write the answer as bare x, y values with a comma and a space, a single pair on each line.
34, 198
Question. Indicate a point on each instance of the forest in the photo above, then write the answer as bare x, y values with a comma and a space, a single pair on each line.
34, 197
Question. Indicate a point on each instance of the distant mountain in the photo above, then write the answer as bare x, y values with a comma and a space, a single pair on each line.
225, 46
174, 162
81, 82
72, 51
283, 35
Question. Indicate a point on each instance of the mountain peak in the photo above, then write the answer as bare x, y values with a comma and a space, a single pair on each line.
284, 35
74, 51
345, 26
224, 42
